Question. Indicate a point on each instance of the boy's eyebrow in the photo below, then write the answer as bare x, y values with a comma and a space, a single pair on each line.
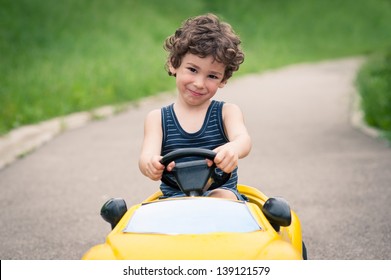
216, 73
193, 65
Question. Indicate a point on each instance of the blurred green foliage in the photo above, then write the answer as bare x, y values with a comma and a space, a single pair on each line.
374, 86
58, 57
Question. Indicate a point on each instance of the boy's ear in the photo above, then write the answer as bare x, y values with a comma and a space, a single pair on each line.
172, 70
223, 83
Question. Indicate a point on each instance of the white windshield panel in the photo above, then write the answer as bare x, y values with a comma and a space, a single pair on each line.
192, 216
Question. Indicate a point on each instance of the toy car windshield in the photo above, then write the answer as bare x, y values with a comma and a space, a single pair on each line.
192, 216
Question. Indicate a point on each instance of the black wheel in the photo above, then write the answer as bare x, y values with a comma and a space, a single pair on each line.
305, 257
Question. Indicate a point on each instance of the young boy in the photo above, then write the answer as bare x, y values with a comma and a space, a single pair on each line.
203, 54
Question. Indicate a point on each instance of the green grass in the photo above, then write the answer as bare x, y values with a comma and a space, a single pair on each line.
58, 57
374, 85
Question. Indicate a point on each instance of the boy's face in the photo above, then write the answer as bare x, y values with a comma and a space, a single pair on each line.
198, 79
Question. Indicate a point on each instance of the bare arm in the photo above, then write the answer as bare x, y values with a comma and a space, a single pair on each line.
149, 161
239, 144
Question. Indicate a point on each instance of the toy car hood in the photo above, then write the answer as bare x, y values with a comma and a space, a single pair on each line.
192, 228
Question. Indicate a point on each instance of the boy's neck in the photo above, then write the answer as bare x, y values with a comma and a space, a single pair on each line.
191, 118
183, 106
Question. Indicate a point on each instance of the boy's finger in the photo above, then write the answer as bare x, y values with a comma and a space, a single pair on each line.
218, 158
170, 166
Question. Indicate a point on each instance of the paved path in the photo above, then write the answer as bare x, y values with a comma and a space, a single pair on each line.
336, 178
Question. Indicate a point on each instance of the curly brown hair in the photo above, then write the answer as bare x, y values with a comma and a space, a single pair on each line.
203, 36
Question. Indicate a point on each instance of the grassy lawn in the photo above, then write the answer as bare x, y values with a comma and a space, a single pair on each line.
374, 85
59, 57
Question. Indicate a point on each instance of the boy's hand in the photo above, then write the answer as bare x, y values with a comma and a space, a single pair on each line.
226, 158
154, 169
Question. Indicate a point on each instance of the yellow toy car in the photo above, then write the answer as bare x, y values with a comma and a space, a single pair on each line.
196, 227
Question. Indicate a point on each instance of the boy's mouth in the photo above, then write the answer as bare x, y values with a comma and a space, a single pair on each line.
195, 93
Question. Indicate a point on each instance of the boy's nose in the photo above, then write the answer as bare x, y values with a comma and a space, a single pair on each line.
199, 82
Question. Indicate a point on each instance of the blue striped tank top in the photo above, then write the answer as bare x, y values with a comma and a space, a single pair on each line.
210, 136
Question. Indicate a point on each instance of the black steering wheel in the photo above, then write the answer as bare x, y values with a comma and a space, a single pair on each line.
193, 177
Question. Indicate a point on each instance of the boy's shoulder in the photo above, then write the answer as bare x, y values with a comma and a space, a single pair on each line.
231, 109
230, 106
153, 115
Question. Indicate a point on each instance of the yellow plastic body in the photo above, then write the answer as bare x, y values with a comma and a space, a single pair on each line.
262, 244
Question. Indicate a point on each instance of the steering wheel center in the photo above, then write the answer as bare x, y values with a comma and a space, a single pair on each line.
192, 177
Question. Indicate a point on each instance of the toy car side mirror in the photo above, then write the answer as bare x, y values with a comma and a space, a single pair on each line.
278, 212
113, 210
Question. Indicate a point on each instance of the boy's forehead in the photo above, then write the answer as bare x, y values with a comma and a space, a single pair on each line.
208, 61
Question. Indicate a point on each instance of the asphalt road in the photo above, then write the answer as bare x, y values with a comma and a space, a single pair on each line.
305, 149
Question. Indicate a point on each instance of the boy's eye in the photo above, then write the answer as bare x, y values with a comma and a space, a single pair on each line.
191, 69
194, 70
